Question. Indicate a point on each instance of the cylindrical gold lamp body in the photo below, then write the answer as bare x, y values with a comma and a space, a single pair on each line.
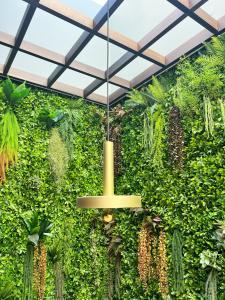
108, 171
109, 200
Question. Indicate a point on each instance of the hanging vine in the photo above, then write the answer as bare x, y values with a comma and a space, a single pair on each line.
152, 100
176, 139
177, 263
144, 254
162, 267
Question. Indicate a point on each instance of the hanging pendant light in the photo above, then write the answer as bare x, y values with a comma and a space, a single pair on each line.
108, 200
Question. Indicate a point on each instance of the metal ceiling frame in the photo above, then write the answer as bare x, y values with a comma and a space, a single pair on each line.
95, 27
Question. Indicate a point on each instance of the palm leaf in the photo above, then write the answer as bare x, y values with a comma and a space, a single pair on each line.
8, 88
19, 93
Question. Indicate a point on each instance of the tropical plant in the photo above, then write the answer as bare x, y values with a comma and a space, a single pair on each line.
151, 99
209, 260
35, 258
177, 263
9, 127
32, 226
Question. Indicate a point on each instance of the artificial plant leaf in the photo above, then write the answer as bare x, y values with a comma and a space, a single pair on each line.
34, 238
20, 92
59, 115
8, 88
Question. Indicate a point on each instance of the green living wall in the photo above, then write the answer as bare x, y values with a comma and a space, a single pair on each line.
191, 199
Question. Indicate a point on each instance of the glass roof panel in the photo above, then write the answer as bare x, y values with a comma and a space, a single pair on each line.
52, 33
11, 15
4, 51
94, 54
102, 90
75, 79
177, 36
215, 8
137, 66
135, 19
85, 7
34, 65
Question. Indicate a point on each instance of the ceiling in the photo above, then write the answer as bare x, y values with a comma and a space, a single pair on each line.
61, 44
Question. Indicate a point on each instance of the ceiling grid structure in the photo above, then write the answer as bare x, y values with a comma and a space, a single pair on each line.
137, 53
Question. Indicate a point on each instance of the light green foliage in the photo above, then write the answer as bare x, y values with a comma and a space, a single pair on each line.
184, 98
9, 132
157, 90
209, 259
58, 155
11, 95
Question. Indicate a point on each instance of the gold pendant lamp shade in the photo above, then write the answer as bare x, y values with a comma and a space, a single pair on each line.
109, 200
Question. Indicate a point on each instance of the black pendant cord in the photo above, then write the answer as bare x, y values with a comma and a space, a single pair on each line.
107, 71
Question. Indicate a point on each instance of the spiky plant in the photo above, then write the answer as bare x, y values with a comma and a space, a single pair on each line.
176, 139
9, 127
177, 263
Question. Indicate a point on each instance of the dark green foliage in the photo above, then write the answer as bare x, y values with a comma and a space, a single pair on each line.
50, 116
68, 128
177, 263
